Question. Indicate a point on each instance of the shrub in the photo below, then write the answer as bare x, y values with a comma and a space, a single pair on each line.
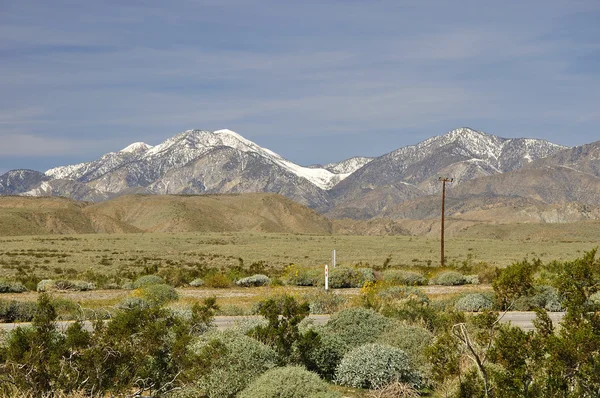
254, 280
184, 392
368, 274
148, 280
546, 297
46, 285
17, 311
342, 277
449, 278
197, 282
472, 279
395, 390
474, 302
324, 302
374, 366
243, 326
399, 277
79, 286
218, 281
288, 382
595, 299
302, 276
130, 303
402, 294
411, 339
156, 295
328, 355
230, 361
356, 326
11, 287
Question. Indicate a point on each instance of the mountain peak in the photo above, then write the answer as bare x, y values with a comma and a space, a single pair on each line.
136, 147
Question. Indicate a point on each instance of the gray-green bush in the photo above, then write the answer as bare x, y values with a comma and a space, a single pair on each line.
328, 354
156, 295
411, 339
11, 287
474, 302
197, 282
254, 280
231, 361
374, 366
399, 277
324, 302
449, 278
357, 326
288, 382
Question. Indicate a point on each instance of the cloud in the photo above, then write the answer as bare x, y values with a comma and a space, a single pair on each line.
81, 76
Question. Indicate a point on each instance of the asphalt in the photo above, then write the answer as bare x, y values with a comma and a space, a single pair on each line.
520, 319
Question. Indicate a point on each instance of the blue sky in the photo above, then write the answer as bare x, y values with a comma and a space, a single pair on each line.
315, 81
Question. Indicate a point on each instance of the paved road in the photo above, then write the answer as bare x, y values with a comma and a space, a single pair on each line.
520, 319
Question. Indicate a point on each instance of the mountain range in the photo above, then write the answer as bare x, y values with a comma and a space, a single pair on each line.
489, 172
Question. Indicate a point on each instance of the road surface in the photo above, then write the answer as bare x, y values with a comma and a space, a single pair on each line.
520, 319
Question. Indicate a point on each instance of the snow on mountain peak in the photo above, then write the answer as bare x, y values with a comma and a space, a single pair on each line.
136, 147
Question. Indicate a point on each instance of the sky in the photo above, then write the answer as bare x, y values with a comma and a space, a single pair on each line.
315, 81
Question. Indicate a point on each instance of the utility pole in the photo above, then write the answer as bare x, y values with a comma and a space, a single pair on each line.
444, 180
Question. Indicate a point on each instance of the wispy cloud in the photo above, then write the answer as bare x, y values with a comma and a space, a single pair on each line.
95, 76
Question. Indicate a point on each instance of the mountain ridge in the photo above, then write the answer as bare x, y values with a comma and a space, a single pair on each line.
223, 161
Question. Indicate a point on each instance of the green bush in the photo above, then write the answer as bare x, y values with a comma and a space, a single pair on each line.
545, 297
328, 354
474, 302
342, 277
374, 366
288, 382
156, 295
197, 282
17, 311
254, 280
411, 339
298, 275
11, 287
449, 278
368, 274
229, 362
402, 294
324, 302
399, 277
218, 281
148, 280
357, 326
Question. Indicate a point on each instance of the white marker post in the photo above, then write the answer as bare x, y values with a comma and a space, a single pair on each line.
326, 277
333, 258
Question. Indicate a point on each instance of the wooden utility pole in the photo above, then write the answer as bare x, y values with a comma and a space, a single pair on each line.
444, 180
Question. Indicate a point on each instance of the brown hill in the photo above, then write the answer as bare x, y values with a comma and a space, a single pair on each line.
42, 215
159, 213
214, 213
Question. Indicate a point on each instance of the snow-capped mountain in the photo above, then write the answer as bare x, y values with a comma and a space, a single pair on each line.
463, 154
347, 166
222, 161
148, 163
